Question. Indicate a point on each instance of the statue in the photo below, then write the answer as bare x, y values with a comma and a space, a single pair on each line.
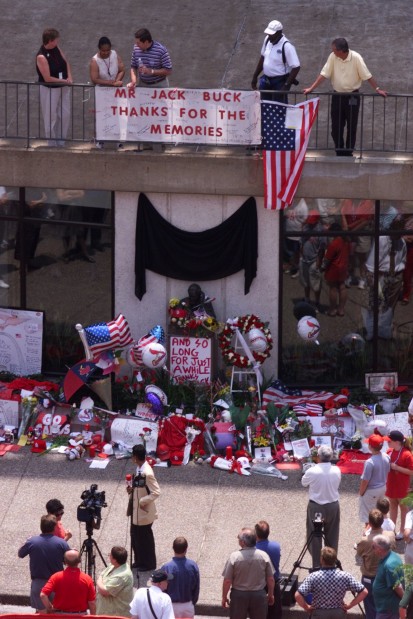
197, 304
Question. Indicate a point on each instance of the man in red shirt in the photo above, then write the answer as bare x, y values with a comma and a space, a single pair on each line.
74, 591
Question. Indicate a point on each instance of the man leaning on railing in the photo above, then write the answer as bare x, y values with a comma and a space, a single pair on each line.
347, 70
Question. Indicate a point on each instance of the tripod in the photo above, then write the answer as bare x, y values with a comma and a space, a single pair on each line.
316, 533
88, 550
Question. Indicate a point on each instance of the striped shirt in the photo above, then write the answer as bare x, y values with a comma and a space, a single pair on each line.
155, 57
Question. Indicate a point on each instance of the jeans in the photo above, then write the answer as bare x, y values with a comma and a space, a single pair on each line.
369, 605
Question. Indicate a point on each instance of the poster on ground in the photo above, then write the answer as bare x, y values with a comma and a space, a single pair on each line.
21, 341
178, 115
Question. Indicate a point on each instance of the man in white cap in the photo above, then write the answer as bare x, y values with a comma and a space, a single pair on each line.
278, 63
153, 602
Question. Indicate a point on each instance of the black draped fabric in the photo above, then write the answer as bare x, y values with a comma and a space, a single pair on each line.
210, 254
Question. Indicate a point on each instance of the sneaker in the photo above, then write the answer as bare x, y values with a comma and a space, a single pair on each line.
120, 146
362, 284
294, 274
99, 145
3, 284
399, 536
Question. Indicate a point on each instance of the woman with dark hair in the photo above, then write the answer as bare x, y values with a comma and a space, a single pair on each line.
106, 69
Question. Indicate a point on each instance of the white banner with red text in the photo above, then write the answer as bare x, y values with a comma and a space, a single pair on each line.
178, 115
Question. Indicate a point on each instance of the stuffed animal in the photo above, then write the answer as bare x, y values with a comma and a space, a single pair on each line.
75, 449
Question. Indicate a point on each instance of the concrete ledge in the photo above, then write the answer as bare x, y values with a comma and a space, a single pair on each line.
230, 173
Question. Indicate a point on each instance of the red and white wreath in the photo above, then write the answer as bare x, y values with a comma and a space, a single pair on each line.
245, 324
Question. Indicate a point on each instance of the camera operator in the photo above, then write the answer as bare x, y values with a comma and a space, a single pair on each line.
142, 509
323, 481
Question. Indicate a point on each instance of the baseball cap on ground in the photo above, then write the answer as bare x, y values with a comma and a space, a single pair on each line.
161, 575
39, 446
273, 27
375, 440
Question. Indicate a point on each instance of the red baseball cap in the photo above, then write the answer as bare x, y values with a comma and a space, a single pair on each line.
39, 446
375, 440
313, 217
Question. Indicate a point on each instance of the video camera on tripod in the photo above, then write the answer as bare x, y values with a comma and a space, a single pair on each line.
89, 511
318, 523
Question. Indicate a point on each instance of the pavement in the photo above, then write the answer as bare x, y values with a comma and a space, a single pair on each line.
210, 49
205, 505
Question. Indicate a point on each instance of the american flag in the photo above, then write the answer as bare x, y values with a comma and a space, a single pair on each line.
280, 394
309, 408
284, 150
108, 335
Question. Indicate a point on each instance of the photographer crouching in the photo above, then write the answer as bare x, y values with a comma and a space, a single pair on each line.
143, 492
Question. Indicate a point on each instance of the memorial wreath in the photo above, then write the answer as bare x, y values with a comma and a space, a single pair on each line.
244, 325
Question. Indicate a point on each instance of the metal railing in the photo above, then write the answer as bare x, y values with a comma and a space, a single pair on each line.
385, 125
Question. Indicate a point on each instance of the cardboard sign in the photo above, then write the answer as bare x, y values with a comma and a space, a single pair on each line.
21, 339
52, 422
190, 358
130, 431
9, 413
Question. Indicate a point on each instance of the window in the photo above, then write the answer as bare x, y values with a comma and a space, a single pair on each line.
56, 256
349, 265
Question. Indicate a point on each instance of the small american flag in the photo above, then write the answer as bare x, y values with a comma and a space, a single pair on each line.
281, 394
284, 150
108, 335
309, 408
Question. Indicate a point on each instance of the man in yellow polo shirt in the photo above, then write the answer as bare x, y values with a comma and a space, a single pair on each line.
347, 70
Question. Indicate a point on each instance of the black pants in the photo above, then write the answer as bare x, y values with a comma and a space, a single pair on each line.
143, 546
275, 611
344, 114
273, 83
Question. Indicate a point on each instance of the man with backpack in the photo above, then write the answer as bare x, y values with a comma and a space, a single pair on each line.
278, 63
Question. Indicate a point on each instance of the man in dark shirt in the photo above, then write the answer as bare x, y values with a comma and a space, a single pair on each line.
273, 550
183, 589
46, 552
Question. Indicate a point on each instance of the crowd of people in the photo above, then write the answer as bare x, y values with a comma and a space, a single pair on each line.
324, 253
150, 67
251, 575
275, 73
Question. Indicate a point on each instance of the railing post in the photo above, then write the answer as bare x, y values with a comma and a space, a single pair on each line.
362, 126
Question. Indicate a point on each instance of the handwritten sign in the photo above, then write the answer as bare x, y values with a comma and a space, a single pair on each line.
130, 431
177, 115
21, 334
9, 413
190, 359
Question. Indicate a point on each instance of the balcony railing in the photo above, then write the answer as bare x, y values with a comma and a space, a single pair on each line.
385, 125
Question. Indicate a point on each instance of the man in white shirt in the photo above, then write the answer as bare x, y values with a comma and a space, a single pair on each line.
278, 62
323, 481
153, 601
